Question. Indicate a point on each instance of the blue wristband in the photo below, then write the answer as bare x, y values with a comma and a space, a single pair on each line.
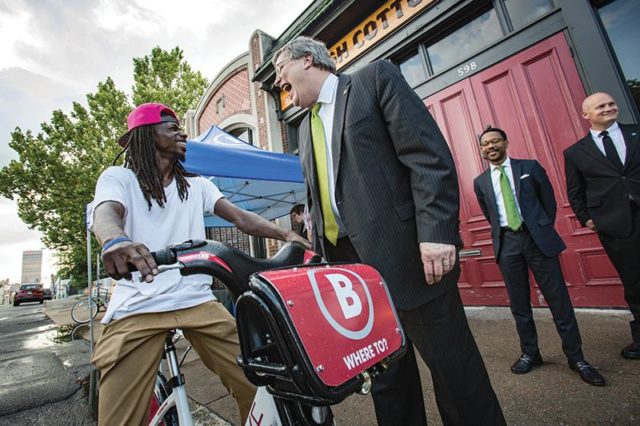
113, 242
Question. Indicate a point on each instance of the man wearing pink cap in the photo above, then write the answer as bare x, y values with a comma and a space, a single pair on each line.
144, 206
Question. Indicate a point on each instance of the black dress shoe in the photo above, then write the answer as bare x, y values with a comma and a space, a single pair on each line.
587, 373
525, 363
632, 351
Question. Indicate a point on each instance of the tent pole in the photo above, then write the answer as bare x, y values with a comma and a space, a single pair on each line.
93, 372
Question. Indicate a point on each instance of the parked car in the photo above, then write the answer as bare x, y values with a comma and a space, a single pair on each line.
47, 294
29, 293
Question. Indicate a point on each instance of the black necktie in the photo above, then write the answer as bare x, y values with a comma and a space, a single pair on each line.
610, 150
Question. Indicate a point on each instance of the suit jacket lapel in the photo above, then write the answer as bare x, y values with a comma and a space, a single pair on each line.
492, 206
516, 171
630, 135
590, 148
306, 150
342, 94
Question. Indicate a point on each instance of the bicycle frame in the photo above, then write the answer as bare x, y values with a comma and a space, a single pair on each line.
178, 395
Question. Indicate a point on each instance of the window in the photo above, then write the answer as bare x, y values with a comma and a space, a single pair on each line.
465, 41
220, 104
437, 55
522, 12
243, 133
292, 137
413, 69
620, 19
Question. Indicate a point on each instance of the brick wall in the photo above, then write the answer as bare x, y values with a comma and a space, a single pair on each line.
230, 98
235, 238
256, 55
285, 137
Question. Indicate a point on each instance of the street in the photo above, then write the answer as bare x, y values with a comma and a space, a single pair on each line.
41, 379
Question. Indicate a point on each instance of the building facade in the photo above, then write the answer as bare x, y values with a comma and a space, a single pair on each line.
522, 65
31, 266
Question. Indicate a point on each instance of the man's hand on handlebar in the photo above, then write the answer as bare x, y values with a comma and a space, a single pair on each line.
118, 259
292, 236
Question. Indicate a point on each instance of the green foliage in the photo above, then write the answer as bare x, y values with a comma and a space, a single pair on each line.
166, 78
55, 175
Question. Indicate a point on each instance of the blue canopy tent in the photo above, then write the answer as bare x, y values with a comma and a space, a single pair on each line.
266, 183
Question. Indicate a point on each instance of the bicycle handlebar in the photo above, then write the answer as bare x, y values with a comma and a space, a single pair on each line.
230, 265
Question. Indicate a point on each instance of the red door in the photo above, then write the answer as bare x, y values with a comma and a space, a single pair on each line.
535, 96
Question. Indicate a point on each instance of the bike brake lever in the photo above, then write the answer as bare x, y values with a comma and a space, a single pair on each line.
165, 268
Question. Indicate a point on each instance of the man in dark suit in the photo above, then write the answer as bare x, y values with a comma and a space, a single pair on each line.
383, 190
603, 184
517, 199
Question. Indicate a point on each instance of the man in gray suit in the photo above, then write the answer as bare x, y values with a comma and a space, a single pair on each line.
382, 189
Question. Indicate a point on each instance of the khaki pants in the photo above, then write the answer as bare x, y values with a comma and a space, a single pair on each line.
129, 352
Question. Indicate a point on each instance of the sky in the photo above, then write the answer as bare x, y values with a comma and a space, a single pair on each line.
54, 52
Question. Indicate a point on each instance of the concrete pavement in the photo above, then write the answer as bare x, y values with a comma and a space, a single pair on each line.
550, 395
42, 380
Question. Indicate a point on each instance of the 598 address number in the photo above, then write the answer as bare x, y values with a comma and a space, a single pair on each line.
467, 68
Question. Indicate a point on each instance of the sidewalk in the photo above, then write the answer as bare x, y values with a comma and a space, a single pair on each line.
549, 395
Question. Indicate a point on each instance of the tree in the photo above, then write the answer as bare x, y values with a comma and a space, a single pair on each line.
166, 78
55, 175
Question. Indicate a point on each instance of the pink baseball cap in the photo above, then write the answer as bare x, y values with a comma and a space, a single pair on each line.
144, 115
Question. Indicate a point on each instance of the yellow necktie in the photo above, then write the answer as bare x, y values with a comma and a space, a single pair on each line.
319, 150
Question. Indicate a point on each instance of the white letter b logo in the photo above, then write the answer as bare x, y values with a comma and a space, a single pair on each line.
349, 300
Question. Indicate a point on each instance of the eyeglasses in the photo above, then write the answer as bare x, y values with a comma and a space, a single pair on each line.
280, 65
491, 142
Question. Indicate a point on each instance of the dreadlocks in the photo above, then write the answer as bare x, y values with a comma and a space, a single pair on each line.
141, 158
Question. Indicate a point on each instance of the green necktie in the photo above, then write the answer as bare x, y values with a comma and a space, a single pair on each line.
319, 150
513, 217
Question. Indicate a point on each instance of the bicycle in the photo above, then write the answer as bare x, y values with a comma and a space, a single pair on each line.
298, 380
86, 309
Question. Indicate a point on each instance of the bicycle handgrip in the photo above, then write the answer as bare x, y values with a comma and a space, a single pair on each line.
164, 257
161, 257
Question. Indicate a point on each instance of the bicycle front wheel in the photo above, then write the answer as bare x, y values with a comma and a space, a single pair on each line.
83, 311
80, 331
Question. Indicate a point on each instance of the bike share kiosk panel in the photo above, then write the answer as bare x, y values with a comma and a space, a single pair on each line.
317, 333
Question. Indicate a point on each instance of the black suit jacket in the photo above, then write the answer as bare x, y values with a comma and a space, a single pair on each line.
396, 183
537, 205
598, 190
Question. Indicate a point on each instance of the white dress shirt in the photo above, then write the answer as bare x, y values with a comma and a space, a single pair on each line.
327, 101
616, 136
495, 180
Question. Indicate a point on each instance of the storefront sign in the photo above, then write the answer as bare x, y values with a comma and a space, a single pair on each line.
389, 17
386, 19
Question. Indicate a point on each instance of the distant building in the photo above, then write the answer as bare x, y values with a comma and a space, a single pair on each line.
31, 266
7, 291
61, 288
4, 287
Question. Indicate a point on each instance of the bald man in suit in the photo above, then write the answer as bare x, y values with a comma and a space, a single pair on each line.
603, 185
